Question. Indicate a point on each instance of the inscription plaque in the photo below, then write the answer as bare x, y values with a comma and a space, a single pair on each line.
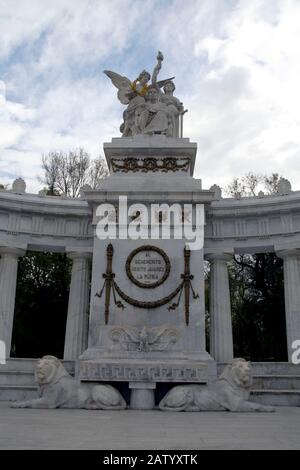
148, 266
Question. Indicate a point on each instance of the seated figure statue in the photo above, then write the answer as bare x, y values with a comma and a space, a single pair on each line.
58, 389
154, 117
228, 393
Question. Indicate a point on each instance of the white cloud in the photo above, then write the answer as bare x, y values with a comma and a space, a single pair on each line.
247, 102
12, 117
236, 64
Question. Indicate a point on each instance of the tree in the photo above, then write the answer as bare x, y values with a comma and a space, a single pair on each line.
97, 171
257, 305
44, 278
251, 183
41, 305
66, 174
271, 183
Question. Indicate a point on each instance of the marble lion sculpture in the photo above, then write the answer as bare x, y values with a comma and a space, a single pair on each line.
57, 389
230, 392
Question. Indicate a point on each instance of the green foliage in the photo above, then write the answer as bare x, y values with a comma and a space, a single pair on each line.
41, 305
257, 306
258, 313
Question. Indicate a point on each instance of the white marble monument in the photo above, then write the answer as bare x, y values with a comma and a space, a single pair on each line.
142, 322
147, 317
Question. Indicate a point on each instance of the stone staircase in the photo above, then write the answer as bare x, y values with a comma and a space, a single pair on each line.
17, 379
275, 383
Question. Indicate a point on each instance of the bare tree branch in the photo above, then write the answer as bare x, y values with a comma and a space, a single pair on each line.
65, 174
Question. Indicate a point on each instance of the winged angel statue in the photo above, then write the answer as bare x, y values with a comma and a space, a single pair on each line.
149, 110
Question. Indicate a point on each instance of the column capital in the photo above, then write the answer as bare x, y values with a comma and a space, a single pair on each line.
288, 253
10, 250
79, 255
218, 257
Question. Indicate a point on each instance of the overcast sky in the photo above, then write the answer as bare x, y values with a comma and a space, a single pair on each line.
237, 68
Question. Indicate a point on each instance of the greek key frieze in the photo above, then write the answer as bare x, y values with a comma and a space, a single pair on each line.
155, 373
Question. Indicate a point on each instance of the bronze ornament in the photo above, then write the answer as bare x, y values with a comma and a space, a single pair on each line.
110, 284
150, 164
148, 248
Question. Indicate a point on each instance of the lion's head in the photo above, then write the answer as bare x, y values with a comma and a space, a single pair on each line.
46, 369
239, 372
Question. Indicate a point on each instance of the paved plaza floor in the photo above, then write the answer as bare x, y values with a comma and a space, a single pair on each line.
128, 430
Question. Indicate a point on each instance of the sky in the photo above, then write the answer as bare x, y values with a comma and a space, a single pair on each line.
237, 68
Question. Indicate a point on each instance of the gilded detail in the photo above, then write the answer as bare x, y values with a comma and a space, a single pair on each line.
150, 164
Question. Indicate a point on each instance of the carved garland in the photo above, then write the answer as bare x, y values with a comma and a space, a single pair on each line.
150, 164
111, 285
147, 304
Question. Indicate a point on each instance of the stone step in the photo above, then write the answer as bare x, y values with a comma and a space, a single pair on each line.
275, 368
24, 365
15, 377
17, 392
276, 382
276, 397
28, 365
270, 368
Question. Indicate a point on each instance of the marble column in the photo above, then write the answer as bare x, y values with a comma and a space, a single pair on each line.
291, 275
8, 282
221, 343
77, 319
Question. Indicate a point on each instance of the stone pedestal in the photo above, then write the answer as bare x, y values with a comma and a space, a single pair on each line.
291, 272
147, 321
8, 281
77, 319
221, 343
142, 395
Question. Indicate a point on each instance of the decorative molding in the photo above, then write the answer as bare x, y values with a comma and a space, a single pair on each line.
239, 224
150, 164
189, 372
144, 340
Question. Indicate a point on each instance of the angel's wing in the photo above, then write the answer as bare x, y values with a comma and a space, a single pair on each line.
162, 83
156, 333
131, 334
122, 83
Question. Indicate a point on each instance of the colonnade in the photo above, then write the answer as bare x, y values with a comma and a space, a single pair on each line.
221, 341
78, 305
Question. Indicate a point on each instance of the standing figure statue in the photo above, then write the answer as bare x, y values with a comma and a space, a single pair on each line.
147, 112
175, 107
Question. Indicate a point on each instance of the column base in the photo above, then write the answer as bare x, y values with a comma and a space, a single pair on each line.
142, 395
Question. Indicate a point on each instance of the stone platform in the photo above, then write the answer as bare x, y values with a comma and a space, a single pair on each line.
128, 430
274, 383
